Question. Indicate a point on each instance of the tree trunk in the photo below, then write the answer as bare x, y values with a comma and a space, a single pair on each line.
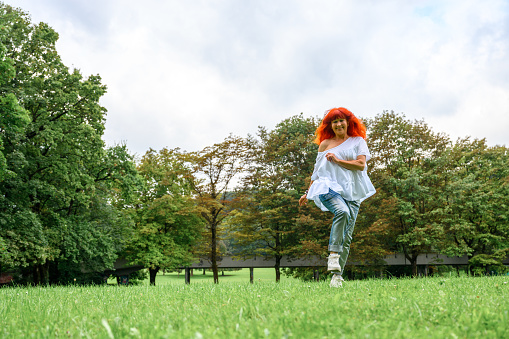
412, 257
36, 275
278, 257
153, 273
277, 268
40, 274
213, 254
414, 267
45, 273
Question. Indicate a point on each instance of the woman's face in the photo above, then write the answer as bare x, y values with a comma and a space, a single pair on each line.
339, 126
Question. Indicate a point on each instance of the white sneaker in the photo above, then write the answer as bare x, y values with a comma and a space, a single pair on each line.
333, 263
336, 281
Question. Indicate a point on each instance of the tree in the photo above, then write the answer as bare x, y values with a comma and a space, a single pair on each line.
98, 230
211, 175
167, 224
474, 216
13, 120
280, 162
407, 168
55, 201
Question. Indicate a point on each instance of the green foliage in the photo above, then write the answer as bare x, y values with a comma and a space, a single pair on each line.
13, 118
485, 263
166, 219
308, 273
57, 178
434, 195
269, 216
407, 168
474, 216
210, 174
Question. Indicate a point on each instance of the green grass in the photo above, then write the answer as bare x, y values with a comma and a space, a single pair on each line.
259, 274
404, 308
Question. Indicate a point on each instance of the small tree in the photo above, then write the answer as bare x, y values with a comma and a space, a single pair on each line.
211, 176
166, 221
279, 163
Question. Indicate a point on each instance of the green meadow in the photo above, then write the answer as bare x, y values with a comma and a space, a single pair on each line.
260, 274
439, 307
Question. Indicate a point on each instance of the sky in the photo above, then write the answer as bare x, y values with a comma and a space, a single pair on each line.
189, 73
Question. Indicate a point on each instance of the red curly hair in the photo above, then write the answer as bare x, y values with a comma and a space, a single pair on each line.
355, 127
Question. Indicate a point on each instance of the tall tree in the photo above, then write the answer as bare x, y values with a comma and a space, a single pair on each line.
407, 168
280, 162
474, 216
212, 172
13, 120
60, 173
167, 223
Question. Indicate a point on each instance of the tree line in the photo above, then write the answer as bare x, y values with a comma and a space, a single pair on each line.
70, 205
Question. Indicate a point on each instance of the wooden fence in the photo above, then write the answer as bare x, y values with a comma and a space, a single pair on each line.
121, 268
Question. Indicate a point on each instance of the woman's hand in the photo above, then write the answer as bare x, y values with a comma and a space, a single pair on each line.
303, 200
332, 157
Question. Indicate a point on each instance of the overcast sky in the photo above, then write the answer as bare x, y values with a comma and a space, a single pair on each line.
188, 73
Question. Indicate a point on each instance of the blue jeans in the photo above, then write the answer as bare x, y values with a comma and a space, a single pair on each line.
345, 214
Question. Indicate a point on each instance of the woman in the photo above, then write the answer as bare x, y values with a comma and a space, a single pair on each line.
340, 182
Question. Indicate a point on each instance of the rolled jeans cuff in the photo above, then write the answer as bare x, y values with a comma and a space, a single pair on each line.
336, 248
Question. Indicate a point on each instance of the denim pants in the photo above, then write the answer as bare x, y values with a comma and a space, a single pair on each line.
345, 213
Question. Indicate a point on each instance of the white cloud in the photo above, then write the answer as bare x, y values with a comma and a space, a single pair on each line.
187, 74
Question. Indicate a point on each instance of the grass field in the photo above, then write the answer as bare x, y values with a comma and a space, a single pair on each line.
260, 274
450, 307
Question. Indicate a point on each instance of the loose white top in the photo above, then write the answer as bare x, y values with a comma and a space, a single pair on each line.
353, 185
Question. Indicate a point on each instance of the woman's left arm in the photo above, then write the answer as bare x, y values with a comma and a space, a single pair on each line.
359, 164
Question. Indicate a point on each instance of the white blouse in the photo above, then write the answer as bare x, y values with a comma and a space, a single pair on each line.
353, 185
